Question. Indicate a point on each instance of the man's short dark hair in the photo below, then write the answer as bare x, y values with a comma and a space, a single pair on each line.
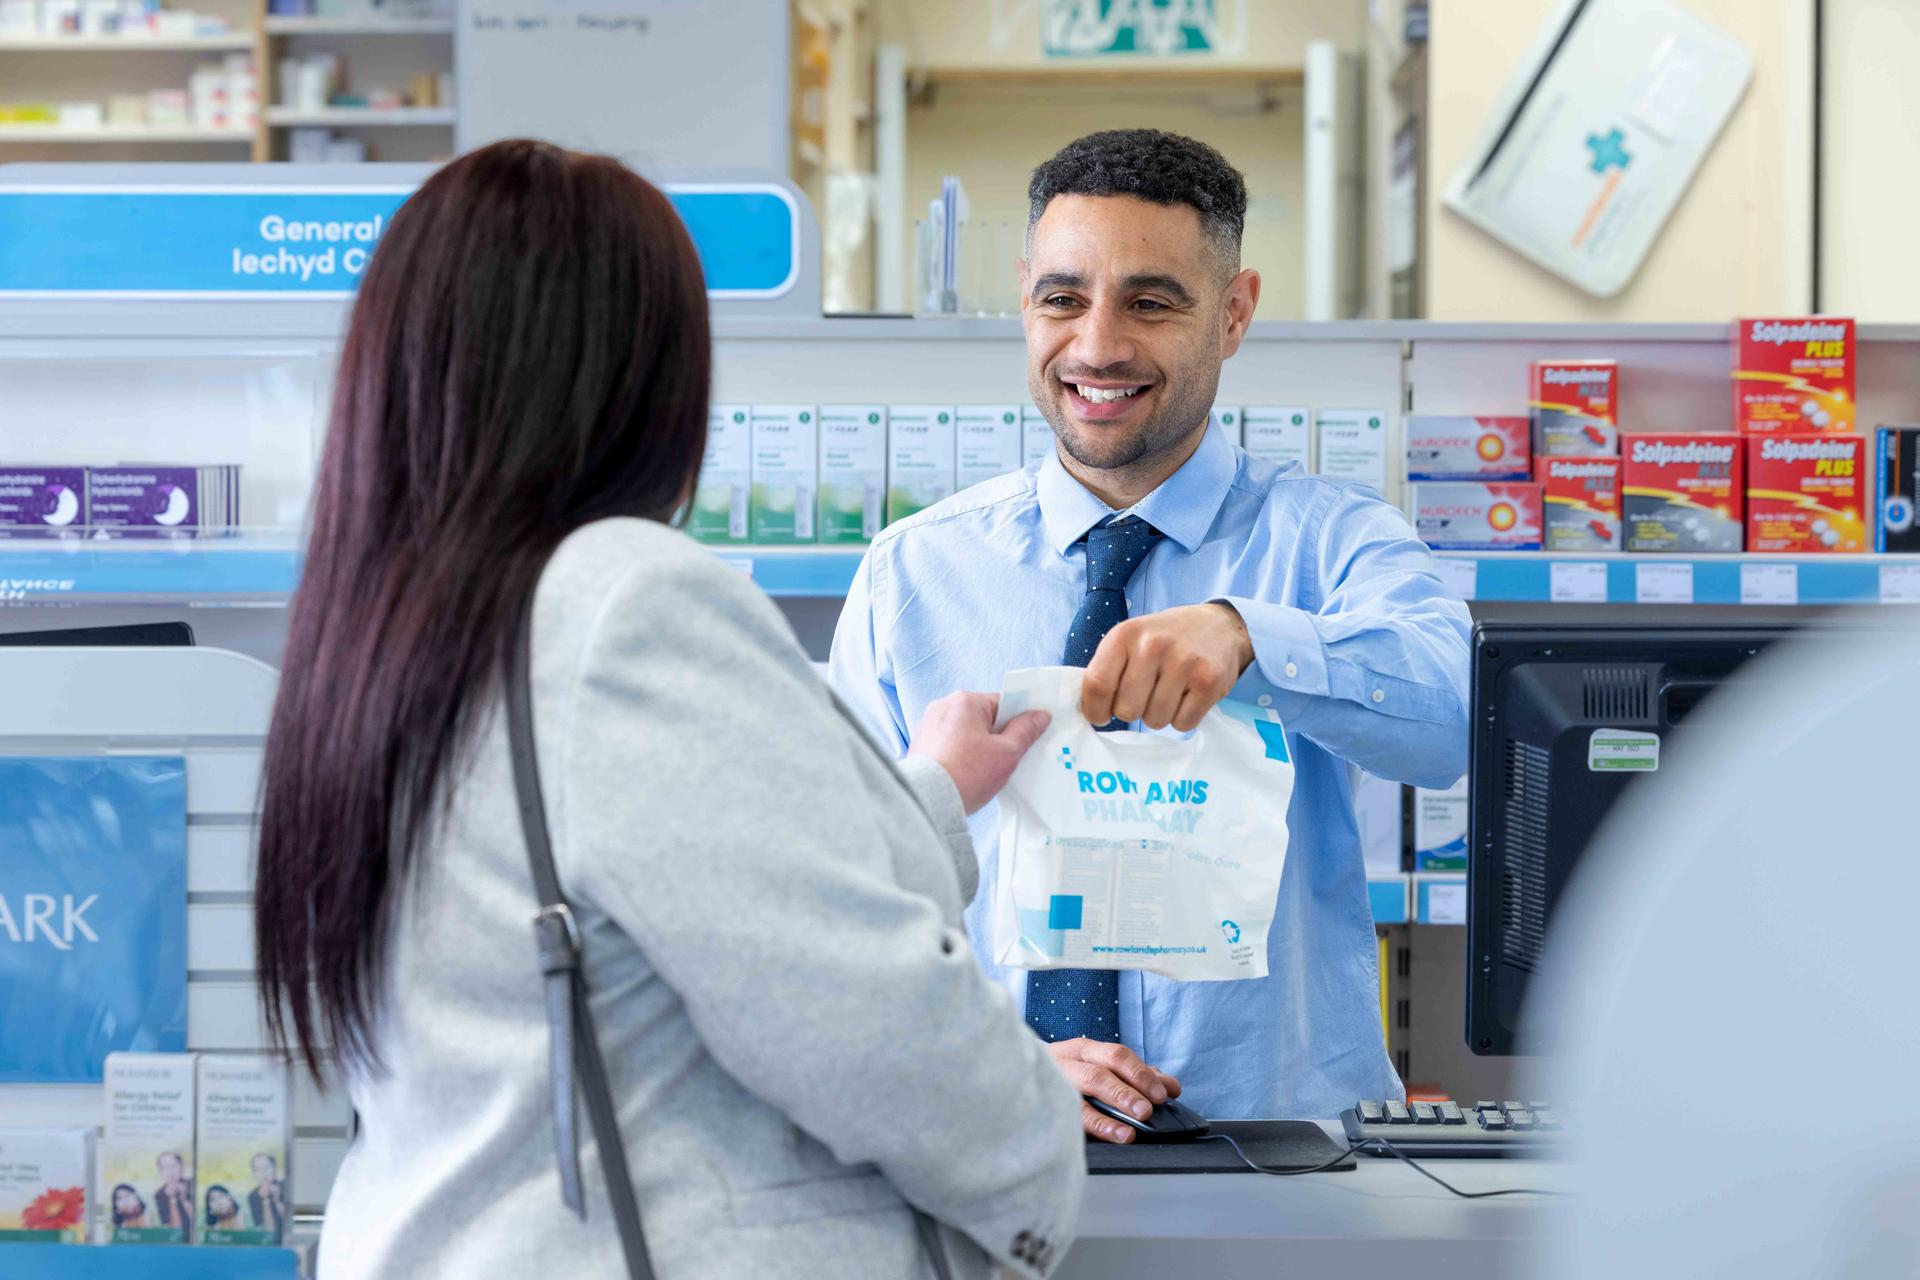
1150, 164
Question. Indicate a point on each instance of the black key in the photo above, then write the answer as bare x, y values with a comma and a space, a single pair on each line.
1450, 1113
1491, 1119
1486, 1106
1371, 1113
1397, 1113
1424, 1113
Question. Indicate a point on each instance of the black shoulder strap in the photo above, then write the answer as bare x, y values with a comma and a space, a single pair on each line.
571, 1041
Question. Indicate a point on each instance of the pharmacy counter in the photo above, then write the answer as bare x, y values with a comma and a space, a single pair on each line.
1382, 1219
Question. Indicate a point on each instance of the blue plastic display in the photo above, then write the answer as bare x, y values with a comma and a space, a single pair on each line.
145, 1262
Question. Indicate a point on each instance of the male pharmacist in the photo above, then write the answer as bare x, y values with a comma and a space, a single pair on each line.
1178, 571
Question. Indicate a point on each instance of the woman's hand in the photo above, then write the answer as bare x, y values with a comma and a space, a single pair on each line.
957, 731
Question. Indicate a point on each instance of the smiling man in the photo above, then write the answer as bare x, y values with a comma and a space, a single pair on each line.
1178, 571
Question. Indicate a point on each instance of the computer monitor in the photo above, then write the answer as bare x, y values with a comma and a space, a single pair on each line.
1565, 720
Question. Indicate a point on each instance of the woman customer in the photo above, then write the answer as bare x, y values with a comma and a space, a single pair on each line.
801, 1046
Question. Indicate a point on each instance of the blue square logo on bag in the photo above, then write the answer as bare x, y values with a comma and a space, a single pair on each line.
1063, 911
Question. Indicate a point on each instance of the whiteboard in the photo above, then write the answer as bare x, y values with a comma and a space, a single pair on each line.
654, 82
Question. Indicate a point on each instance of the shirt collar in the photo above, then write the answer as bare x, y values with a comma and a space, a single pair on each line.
1183, 507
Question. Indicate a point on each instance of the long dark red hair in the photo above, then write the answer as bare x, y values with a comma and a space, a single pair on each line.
528, 353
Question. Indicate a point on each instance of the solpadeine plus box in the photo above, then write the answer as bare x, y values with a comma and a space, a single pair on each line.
1793, 375
1580, 503
1575, 405
1456, 447
1682, 492
1806, 493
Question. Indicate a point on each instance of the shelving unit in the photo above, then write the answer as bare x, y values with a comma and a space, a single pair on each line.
360, 117
125, 44
135, 133
314, 26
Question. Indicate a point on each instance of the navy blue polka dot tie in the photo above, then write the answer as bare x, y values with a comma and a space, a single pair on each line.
1065, 1003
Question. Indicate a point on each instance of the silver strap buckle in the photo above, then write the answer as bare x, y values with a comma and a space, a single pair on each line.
561, 913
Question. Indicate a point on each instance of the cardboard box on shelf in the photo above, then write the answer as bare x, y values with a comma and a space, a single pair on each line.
1682, 492
1794, 375
1806, 493
1469, 515
1896, 529
1458, 447
1580, 500
1575, 406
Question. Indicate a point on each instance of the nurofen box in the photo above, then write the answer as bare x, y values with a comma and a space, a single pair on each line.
1280, 433
243, 1122
1036, 436
39, 502
920, 457
1464, 515
1899, 450
1682, 492
1793, 375
853, 472
1580, 503
1807, 493
986, 442
1353, 445
1453, 447
786, 473
719, 510
1575, 405
1440, 828
146, 1155
46, 1181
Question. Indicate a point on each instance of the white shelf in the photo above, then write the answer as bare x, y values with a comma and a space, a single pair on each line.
124, 44
346, 117
298, 26
120, 133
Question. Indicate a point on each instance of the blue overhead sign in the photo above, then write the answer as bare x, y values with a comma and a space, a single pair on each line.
310, 242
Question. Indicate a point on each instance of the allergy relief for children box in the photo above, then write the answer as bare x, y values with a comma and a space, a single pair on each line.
1440, 828
1463, 515
42, 501
1793, 375
244, 1126
1451, 447
1036, 436
986, 442
1682, 493
1353, 445
853, 471
1580, 503
45, 1178
719, 511
146, 1159
1575, 405
786, 470
920, 457
1806, 493
1896, 529
1278, 432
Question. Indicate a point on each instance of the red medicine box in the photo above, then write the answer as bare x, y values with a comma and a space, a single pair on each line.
1807, 493
1793, 375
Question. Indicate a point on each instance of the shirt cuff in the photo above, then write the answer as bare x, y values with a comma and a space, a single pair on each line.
1289, 663
933, 785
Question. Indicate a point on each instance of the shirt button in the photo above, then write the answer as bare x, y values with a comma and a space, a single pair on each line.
1265, 699
1379, 695
1291, 670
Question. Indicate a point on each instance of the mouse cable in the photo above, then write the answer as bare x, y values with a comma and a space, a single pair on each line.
1391, 1150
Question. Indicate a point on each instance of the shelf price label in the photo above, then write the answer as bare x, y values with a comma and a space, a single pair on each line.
1663, 583
1446, 902
1577, 582
1769, 584
1900, 584
1461, 576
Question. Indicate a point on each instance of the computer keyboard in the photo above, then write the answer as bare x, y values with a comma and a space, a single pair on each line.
1446, 1129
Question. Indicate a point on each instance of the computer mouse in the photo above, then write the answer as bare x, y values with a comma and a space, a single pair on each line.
1171, 1121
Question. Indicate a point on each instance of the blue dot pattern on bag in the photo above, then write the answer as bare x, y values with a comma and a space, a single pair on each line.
1065, 1003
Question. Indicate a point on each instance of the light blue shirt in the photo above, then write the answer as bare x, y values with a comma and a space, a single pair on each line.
1357, 644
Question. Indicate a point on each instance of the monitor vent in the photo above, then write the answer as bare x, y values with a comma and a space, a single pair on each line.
1523, 855
1615, 693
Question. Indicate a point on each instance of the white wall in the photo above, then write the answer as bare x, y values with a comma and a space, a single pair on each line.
1871, 257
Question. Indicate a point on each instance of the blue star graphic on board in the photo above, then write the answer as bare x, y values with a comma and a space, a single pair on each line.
1609, 150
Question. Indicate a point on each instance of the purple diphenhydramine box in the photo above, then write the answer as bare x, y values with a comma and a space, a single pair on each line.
38, 502
153, 500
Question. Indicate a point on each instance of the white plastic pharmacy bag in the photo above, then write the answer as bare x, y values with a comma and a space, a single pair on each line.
1140, 850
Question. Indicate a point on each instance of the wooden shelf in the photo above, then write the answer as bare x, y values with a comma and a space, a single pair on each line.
125, 44
297, 26
349, 117
120, 133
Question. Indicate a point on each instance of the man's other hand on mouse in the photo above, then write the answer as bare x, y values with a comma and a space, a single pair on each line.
1114, 1074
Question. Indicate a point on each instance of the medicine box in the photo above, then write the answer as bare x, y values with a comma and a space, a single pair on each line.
1453, 447
1352, 445
1378, 816
1281, 433
1682, 492
1226, 420
1899, 450
1793, 375
786, 473
1806, 493
42, 501
1440, 828
920, 458
1036, 436
1466, 515
243, 1129
147, 1153
719, 512
1575, 406
46, 1185
853, 472
1580, 503
986, 442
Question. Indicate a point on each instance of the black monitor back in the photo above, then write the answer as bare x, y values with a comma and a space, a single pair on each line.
1539, 694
